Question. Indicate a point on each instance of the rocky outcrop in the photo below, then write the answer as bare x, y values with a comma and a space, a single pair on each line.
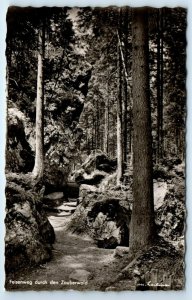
19, 155
95, 161
29, 235
94, 178
120, 251
62, 133
97, 166
159, 267
103, 216
99, 161
170, 216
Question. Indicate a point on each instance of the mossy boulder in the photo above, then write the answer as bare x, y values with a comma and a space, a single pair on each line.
103, 216
29, 235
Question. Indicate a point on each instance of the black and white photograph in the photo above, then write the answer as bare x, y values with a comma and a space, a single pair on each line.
95, 148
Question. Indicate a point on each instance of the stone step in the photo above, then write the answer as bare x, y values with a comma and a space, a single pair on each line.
54, 196
121, 251
72, 200
65, 207
64, 213
59, 214
73, 204
59, 221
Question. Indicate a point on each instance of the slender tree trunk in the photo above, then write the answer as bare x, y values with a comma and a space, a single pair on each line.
177, 141
93, 131
158, 87
114, 140
106, 131
97, 125
7, 99
181, 139
161, 83
100, 115
119, 113
125, 115
39, 153
142, 220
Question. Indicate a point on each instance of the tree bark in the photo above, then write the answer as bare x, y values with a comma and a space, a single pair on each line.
119, 112
158, 90
126, 86
159, 152
106, 132
161, 89
39, 151
142, 220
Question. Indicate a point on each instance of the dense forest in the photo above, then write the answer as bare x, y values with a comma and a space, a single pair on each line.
95, 148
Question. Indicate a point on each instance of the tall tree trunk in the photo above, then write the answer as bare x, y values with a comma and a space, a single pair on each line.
7, 99
114, 139
100, 136
159, 152
119, 111
93, 132
97, 125
158, 87
142, 220
161, 83
106, 117
39, 152
125, 113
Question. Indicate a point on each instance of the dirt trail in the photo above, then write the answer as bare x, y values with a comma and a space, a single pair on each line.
75, 259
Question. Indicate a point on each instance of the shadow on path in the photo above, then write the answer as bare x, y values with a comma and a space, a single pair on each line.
77, 264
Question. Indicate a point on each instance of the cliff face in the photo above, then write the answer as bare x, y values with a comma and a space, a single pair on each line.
19, 154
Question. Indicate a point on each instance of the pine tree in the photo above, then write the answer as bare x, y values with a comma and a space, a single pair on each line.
142, 220
159, 72
119, 108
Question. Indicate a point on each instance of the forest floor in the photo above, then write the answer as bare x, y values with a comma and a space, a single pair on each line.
78, 263
75, 259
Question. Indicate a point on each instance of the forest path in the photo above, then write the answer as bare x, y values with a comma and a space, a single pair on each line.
77, 263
